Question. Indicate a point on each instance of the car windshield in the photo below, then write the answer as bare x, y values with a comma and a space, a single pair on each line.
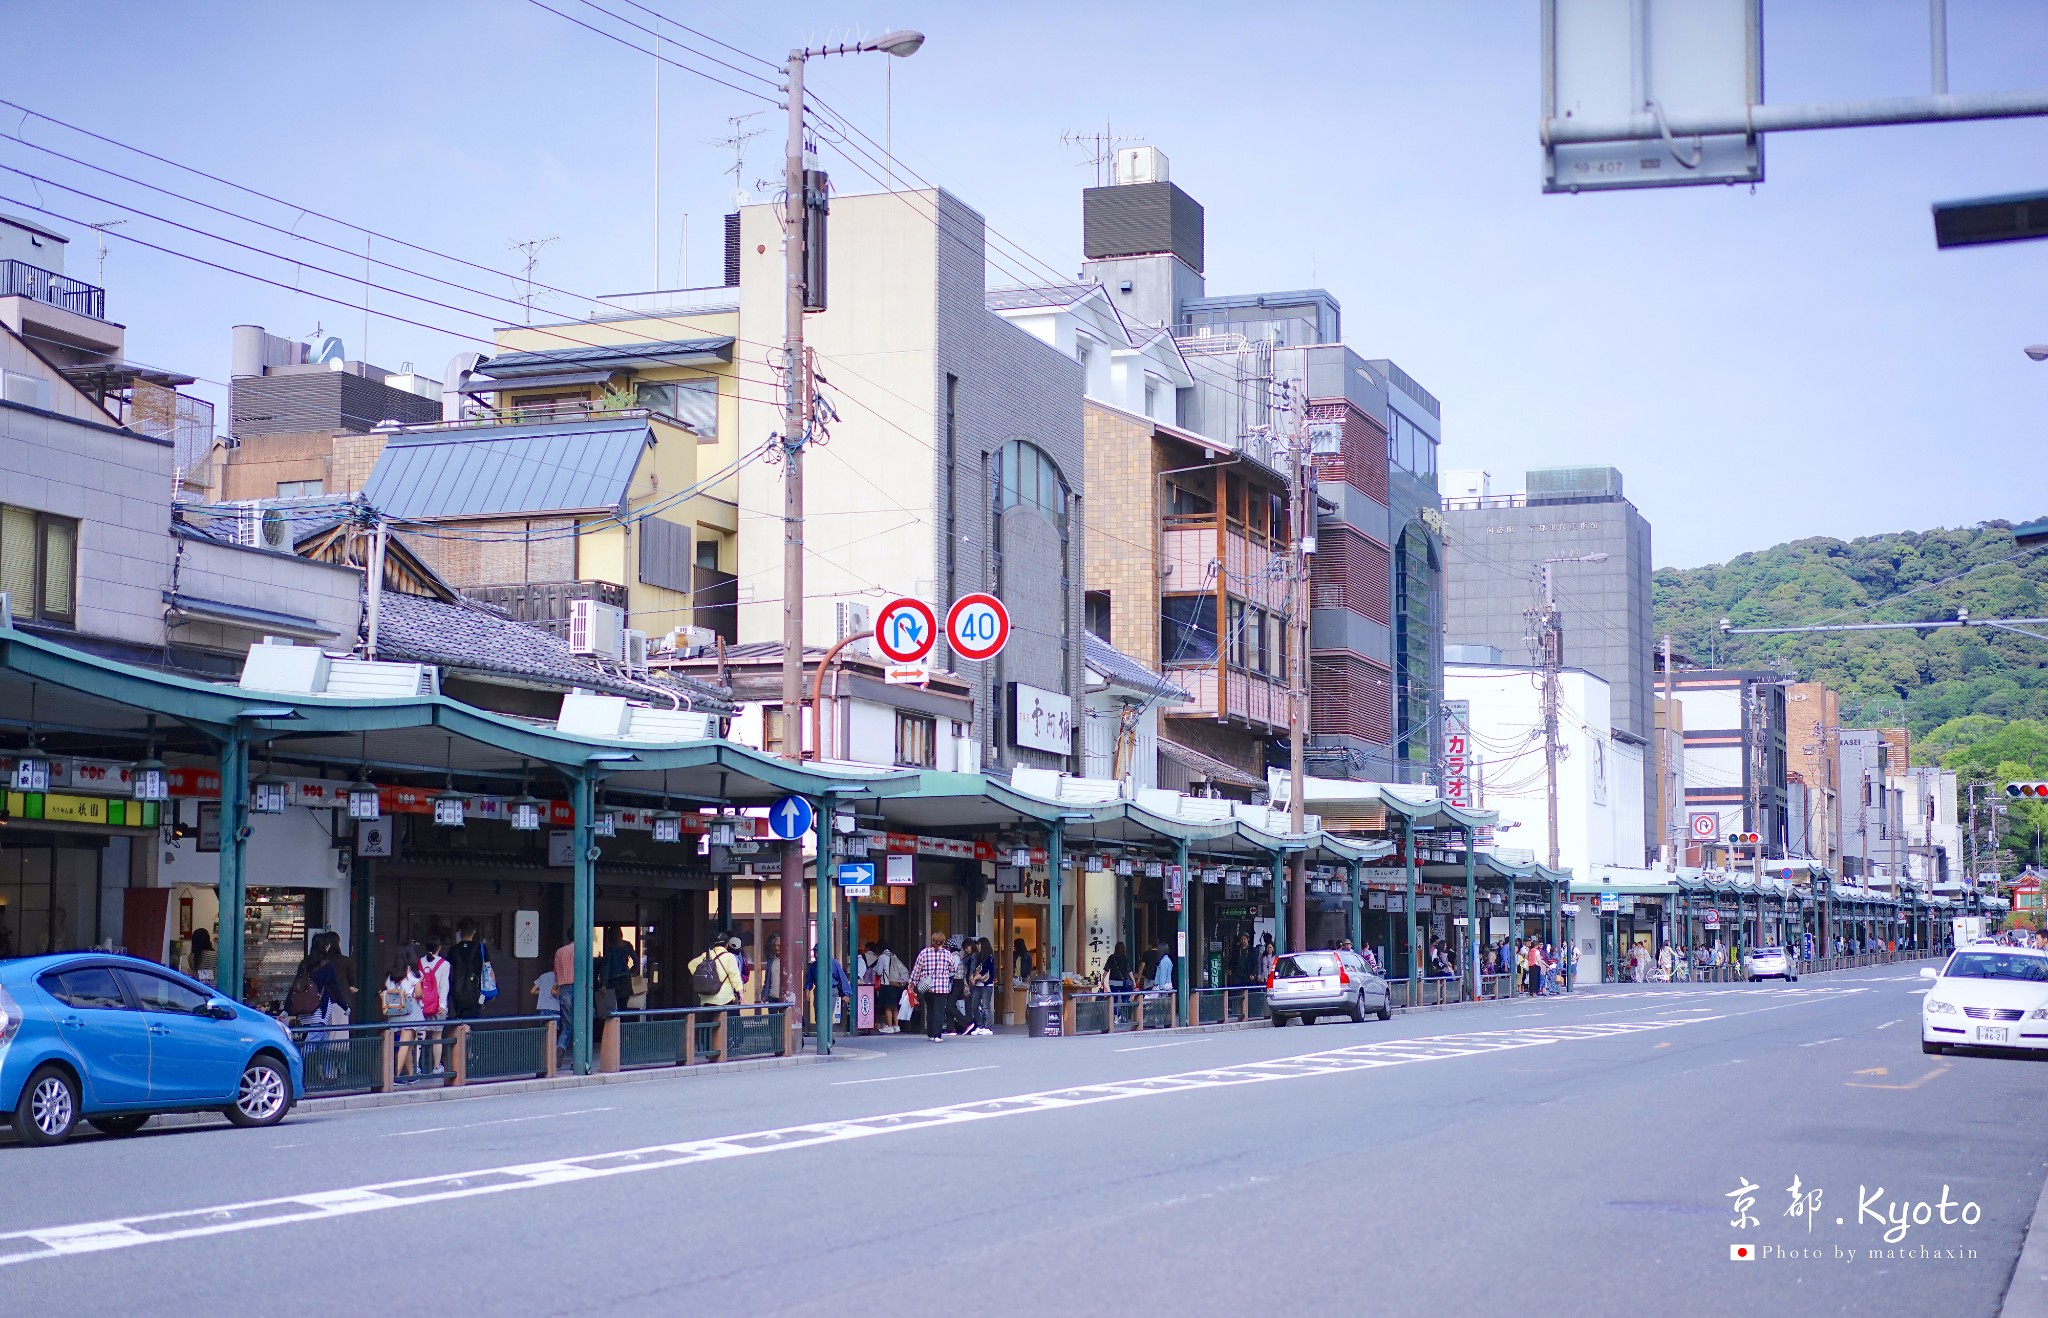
1997, 965
1762, 952
1305, 965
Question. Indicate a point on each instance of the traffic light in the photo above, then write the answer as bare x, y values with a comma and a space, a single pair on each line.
2027, 791
1744, 839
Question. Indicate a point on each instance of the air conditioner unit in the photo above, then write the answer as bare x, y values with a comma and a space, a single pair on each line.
852, 619
597, 628
636, 651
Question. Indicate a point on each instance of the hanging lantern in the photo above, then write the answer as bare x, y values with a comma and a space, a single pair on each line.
721, 832
605, 824
151, 781
1125, 868
1020, 858
364, 801
526, 813
269, 794
668, 826
451, 808
32, 771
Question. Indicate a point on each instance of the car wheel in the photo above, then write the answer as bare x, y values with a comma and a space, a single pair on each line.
1932, 1048
48, 1110
1386, 1009
1358, 1010
1279, 1019
264, 1095
122, 1125
1791, 979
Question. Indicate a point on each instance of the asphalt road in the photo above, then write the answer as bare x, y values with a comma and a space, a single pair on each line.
1577, 1154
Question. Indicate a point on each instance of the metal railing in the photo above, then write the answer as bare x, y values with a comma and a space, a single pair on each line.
379, 1058
1220, 1006
20, 279
1107, 1013
694, 1036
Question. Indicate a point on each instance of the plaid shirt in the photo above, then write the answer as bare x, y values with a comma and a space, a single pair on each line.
938, 965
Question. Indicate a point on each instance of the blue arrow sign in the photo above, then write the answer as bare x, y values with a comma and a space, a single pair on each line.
857, 874
790, 818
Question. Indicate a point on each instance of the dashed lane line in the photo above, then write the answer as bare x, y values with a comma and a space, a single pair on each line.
128, 1232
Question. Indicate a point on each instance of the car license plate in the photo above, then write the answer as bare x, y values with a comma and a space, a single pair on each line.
1992, 1034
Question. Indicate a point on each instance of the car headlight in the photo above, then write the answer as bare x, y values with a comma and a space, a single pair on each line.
1936, 1005
2038, 1014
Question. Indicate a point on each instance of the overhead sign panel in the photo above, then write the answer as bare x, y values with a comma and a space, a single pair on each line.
1650, 61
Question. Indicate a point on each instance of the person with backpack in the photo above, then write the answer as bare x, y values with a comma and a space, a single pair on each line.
891, 975
400, 1002
716, 977
465, 974
434, 978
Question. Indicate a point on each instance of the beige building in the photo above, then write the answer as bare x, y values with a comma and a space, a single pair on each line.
1813, 719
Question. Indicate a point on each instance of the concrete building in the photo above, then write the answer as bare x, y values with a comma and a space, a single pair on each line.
1734, 721
1871, 827
1374, 648
1600, 774
1495, 547
1933, 837
1812, 725
955, 464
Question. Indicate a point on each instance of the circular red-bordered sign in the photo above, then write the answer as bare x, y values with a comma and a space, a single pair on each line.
977, 626
905, 630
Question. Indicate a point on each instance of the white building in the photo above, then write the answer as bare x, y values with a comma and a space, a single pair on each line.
1599, 773
1139, 371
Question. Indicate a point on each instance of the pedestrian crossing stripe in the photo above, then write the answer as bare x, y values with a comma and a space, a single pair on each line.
154, 1228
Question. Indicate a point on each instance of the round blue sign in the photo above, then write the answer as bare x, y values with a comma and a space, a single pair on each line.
790, 818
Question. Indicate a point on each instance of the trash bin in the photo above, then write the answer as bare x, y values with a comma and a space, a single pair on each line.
1042, 1018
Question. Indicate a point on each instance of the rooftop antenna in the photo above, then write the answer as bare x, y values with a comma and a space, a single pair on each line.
530, 249
1101, 151
101, 228
737, 144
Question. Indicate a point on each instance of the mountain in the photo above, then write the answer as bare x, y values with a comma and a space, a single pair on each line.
1921, 678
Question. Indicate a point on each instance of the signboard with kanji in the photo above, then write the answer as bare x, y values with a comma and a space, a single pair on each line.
1458, 753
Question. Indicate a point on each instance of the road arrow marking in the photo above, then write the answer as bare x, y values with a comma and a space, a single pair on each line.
1911, 1084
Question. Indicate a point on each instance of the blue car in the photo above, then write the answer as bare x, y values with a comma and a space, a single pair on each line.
112, 1040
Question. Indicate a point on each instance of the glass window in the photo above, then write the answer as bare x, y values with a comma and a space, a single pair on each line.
38, 563
1260, 654
1187, 629
1997, 965
917, 741
157, 993
1306, 965
1030, 478
1234, 623
88, 986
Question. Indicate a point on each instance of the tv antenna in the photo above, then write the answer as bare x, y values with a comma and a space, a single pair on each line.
101, 228
530, 250
737, 144
1101, 151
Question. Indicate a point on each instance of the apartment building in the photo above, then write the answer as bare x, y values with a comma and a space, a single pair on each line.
1813, 717
1734, 739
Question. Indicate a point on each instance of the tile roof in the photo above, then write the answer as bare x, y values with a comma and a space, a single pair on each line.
552, 467
474, 639
1019, 296
1122, 670
619, 356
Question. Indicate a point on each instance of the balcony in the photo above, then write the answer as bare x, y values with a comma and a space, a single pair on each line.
20, 279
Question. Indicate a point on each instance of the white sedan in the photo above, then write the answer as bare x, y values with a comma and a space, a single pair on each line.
1986, 997
1770, 963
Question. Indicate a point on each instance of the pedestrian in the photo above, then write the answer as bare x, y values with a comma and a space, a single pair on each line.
772, 987
716, 975
842, 987
400, 1002
621, 965
465, 973
200, 961
565, 991
1162, 971
985, 986
1534, 976
1571, 965
1117, 970
1020, 964
1664, 962
931, 977
889, 991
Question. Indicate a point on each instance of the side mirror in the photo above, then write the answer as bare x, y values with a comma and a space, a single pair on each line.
1929, 972
219, 1010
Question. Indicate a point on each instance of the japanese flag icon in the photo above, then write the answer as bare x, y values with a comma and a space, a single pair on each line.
1742, 1253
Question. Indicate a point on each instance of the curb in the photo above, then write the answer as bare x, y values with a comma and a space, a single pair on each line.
537, 1085
2026, 1295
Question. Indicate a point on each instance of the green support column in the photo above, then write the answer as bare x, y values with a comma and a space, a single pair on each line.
1354, 877
1514, 926
1276, 868
583, 843
724, 903
1472, 940
823, 996
1408, 906
1552, 919
234, 824
363, 923
1184, 964
1056, 891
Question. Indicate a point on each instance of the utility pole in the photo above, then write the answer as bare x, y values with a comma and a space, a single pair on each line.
1673, 798
1546, 641
796, 421
1297, 626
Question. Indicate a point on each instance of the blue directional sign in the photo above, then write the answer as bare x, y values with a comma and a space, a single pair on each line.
857, 874
790, 818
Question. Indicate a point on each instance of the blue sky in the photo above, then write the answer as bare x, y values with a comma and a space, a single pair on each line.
1798, 361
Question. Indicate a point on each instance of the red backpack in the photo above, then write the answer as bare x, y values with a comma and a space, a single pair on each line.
430, 985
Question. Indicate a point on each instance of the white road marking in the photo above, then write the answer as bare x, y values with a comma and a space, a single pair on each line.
1836, 1038
1888, 1024
1148, 1047
121, 1233
879, 1079
500, 1121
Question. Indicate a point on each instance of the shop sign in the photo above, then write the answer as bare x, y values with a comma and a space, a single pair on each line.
1041, 720
60, 809
1009, 879
900, 870
1376, 901
1457, 752
1176, 887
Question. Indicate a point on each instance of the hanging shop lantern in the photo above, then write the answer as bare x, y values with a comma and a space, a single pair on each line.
451, 808
668, 826
269, 794
152, 782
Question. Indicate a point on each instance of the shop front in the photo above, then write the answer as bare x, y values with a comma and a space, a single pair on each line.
67, 862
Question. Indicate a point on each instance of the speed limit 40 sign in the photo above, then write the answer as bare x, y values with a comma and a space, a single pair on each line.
977, 626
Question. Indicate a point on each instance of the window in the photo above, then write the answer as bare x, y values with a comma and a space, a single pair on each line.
89, 987
707, 554
38, 563
1234, 623
1152, 396
157, 993
1029, 478
1276, 518
1187, 630
1097, 614
917, 741
300, 489
693, 402
1261, 652
1184, 502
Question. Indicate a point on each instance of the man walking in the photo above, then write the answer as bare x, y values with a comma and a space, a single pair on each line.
565, 991
465, 973
932, 976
